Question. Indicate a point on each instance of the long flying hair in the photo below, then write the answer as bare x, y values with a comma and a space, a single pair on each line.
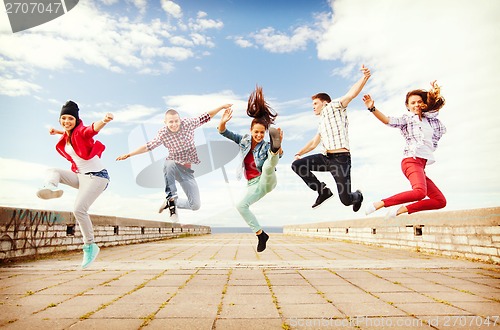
259, 109
432, 99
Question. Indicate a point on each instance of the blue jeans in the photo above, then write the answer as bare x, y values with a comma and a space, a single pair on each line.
174, 171
257, 188
338, 164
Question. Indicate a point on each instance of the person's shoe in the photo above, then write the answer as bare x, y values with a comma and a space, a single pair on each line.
357, 205
263, 237
171, 207
90, 252
49, 191
274, 137
369, 209
392, 213
163, 206
326, 194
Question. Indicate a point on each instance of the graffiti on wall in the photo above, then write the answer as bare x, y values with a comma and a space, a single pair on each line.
29, 229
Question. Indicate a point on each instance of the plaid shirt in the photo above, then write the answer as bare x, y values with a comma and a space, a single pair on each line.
334, 126
180, 145
412, 131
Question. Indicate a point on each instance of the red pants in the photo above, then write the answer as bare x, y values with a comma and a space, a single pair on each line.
422, 186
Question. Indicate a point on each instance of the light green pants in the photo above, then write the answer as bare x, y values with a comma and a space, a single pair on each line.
257, 188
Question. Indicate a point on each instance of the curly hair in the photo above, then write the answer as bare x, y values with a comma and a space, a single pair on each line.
259, 109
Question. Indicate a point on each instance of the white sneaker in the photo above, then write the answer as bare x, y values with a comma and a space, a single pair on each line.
392, 213
49, 191
370, 208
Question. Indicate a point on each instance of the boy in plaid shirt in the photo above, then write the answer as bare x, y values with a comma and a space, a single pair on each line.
178, 137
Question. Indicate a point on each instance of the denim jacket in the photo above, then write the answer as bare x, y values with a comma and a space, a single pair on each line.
260, 152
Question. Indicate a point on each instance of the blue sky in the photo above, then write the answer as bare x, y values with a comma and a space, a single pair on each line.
138, 58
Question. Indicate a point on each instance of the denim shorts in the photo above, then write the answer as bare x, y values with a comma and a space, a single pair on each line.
102, 174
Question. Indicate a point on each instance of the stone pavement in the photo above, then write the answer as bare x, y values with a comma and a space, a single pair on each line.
220, 282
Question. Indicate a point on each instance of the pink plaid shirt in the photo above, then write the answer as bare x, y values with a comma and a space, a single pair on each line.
180, 145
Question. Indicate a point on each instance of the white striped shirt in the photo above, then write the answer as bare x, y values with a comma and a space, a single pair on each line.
334, 126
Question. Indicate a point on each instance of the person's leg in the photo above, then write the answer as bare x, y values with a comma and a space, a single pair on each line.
413, 169
268, 178
304, 167
186, 179
53, 177
435, 201
340, 168
254, 193
90, 187
169, 174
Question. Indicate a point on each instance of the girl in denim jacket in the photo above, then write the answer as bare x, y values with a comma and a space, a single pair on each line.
422, 131
87, 174
258, 158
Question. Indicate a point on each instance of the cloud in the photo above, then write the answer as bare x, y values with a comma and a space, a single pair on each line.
279, 42
171, 8
201, 23
17, 87
109, 41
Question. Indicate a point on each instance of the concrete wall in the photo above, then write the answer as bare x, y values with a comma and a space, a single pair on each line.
470, 234
28, 232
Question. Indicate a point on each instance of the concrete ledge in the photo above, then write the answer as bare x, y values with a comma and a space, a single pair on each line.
30, 232
471, 234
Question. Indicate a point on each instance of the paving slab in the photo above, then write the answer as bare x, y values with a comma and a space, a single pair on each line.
220, 282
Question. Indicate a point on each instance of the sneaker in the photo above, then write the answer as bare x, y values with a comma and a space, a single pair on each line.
325, 195
163, 206
171, 207
357, 205
370, 209
49, 191
392, 213
168, 204
263, 237
274, 137
90, 252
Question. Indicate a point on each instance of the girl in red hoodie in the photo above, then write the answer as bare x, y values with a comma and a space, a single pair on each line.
87, 174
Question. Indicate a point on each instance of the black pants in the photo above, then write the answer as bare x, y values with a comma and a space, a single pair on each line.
338, 164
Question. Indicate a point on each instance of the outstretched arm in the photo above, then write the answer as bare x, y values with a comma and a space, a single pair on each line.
140, 150
213, 112
311, 145
53, 131
370, 104
98, 125
356, 88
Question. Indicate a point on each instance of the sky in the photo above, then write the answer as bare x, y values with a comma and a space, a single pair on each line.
137, 58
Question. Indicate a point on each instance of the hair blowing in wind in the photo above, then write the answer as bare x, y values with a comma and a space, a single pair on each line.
259, 109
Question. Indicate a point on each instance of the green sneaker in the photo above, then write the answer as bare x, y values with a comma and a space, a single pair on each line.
90, 252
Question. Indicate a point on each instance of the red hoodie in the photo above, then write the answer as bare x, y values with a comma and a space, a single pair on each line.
83, 144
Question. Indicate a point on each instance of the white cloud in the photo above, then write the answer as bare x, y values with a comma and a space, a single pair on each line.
279, 42
17, 87
91, 36
171, 8
200, 23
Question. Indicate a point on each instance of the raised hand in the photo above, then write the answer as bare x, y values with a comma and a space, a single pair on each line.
369, 102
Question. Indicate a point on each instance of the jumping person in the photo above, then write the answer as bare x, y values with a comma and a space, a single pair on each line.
422, 130
333, 134
178, 137
258, 158
87, 174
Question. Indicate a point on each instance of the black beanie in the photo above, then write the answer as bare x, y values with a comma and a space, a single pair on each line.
70, 108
